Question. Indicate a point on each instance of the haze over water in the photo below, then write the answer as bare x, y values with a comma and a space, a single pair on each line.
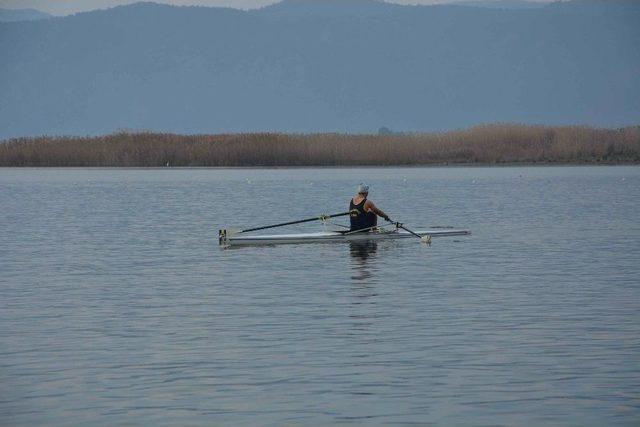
118, 307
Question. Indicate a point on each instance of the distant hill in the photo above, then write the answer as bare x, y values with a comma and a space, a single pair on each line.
316, 66
14, 15
503, 4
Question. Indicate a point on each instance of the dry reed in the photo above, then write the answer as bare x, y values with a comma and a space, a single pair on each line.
487, 144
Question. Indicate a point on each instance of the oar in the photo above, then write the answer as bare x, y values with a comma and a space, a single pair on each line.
315, 218
424, 239
223, 234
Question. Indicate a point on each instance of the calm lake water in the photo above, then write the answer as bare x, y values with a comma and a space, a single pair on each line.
118, 307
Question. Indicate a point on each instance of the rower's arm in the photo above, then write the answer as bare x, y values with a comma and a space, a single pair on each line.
370, 207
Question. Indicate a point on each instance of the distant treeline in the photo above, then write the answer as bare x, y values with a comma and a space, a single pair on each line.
488, 144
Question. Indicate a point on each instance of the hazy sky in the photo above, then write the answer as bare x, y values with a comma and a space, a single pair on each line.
64, 7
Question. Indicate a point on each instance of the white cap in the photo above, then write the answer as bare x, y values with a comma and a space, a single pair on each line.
363, 188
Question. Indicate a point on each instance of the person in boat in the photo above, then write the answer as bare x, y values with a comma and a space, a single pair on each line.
362, 212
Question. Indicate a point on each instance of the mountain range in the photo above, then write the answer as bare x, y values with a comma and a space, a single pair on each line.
15, 15
320, 66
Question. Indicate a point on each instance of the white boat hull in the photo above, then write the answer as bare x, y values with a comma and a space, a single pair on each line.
333, 236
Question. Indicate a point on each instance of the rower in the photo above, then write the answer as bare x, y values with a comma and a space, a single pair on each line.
362, 212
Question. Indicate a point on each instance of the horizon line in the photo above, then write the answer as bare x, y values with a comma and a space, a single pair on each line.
15, 5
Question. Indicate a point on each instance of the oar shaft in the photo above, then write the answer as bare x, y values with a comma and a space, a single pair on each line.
406, 229
317, 218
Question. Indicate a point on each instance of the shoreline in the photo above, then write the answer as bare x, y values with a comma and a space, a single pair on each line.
438, 166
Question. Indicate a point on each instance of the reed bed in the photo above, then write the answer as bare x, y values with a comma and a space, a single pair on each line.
487, 144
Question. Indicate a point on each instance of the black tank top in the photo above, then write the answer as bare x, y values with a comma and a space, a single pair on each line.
360, 219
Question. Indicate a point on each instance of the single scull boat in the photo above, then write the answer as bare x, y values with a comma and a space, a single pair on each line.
332, 236
236, 238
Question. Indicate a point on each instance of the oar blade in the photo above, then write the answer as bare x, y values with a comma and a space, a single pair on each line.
426, 239
225, 233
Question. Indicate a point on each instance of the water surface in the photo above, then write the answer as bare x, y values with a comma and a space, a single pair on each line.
118, 307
